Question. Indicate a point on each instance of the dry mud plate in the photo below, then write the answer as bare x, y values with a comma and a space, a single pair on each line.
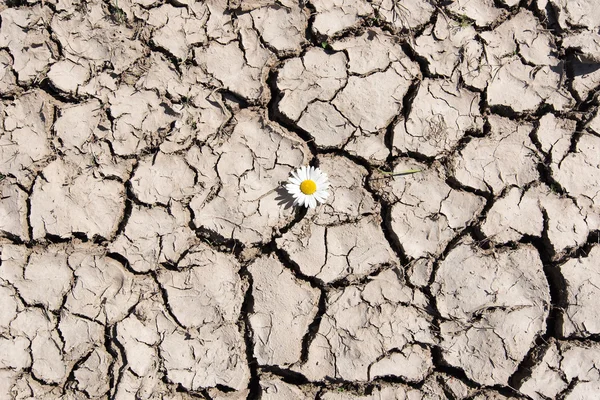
149, 250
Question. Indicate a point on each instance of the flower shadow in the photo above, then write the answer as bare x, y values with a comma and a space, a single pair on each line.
283, 198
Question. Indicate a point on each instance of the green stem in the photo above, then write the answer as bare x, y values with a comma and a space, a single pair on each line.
407, 172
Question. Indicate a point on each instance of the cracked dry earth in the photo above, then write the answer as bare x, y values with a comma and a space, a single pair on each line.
148, 251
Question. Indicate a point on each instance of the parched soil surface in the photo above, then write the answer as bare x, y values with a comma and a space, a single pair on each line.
149, 251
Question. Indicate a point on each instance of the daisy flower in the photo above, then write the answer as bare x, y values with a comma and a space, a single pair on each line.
308, 185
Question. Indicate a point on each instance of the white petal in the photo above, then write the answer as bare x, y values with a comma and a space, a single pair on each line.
296, 174
306, 201
321, 179
323, 193
312, 202
316, 174
294, 180
319, 198
304, 174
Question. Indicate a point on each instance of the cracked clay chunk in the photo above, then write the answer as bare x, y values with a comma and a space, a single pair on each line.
212, 356
408, 14
282, 28
578, 171
252, 163
24, 139
427, 213
579, 13
38, 326
24, 34
139, 341
530, 87
200, 110
66, 199
161, 75
483, 12
586, 78
535, 45
220, 25
444, 45
76, 124
582, 277
199, 342
241, 71
413, 363
153, 236
326, 125
493, 305
513, 216
42, 277
388, 391
367, 104
363, 325
93, 38
177, 29
554, 135
80, 335
569, 368
586, 44
205, 290
91, 374
283, 309
13, 209
14, 353
162, 178
594, 123
159, 350
276, 389
333, 16
67, 76
374, 51
8, 79
504, 157
371, 102
348, 198
315, 76
141, 119
523, 60
8, 296
29, 387
329, 129
522, 213
331, 253
546, 379
104, 290
440, 115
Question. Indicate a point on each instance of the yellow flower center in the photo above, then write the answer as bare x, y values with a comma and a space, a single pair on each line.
308, 186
